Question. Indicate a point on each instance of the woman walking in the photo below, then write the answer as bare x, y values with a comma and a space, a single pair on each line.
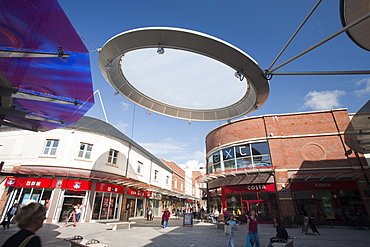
252, 229
165, 217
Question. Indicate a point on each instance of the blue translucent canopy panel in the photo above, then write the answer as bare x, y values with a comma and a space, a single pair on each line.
45, 76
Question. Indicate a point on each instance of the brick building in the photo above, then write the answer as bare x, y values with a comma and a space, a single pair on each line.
288, 165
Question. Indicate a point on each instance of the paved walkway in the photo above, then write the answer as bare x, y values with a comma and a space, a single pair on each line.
151, 234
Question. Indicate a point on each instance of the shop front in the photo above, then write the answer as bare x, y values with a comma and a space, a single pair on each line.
107, 201
328, 201
258, 197
73, 193
136, 199
27, 190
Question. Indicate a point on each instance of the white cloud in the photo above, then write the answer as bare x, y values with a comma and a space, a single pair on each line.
122, 126
323, 100
171, 150
365, 92
124, 106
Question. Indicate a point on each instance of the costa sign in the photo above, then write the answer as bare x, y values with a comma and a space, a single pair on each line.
256, 187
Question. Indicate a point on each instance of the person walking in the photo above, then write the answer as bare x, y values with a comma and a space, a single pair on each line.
252, 229
165, 217
78, 210
30, 218
11, 212
231, 224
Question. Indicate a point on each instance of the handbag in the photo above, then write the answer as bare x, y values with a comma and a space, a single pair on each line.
26, 240
162, 223
248, 244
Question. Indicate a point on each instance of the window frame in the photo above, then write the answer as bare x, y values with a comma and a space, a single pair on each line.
113, 157
85, 151
51, 147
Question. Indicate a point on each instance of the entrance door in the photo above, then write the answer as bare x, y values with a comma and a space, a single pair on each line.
69, 200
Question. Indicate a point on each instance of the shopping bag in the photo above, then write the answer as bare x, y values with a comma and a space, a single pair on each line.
248, 243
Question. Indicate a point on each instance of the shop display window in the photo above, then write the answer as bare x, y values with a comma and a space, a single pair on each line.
249, 196
105, 206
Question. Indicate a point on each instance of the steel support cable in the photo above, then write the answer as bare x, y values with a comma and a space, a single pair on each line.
295, 34
320, 43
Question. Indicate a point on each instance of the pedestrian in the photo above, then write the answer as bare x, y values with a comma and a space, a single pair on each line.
165, 217
148, 213
78, 210
252, 229
226, 215
281, 234
231, 224
10, 214
30, 218
177, 214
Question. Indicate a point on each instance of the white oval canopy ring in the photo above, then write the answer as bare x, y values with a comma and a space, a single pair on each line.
183, 74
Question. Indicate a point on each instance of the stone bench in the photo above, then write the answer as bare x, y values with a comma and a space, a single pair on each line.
121, 225
76, 241
289, 243
220, 225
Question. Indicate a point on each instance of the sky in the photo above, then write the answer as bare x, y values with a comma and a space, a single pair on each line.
259, 28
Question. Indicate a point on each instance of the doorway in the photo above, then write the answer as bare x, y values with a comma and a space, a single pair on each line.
70, 199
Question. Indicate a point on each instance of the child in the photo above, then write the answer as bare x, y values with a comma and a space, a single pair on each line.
231, 223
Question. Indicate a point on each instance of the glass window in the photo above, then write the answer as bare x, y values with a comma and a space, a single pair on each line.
267, 196
112, 159
228, 153
260, 161
244, 162
216, 158
175, 183
167, 179
139, 167
181, 186
216, 167
243, 150
229, 164
51, 147
155, 175
85, 150
249, 196
260, 148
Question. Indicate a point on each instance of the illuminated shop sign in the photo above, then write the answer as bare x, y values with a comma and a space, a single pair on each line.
113, 188
249, 188
76, 185
139, 193
31, 182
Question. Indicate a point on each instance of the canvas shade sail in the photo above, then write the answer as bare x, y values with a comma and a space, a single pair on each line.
45, 76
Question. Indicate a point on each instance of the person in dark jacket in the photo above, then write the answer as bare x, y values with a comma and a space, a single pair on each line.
281, 234
11, 212
30, 218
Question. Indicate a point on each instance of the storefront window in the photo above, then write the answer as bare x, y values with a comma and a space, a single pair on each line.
106, 206
248, 196
267, 196
352, 205
233, 201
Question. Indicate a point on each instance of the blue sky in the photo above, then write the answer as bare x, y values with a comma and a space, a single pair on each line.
259, 28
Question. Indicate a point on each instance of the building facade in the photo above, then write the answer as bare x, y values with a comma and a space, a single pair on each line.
88, 163
288, 165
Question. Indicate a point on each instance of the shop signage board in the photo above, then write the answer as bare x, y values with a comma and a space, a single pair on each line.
139, 193
76, 185
250, 188
112, 188
329, 185
188, 219
31, 182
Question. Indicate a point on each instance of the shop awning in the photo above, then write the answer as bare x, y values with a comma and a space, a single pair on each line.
77, 173
45, 76
205, 178
307, 176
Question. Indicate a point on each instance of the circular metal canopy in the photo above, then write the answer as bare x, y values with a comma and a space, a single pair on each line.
351, 11
183, 74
